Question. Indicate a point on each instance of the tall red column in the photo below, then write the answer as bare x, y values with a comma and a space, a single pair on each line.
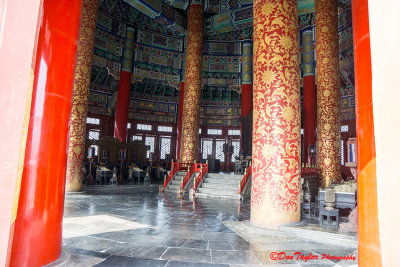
309, 96
124, 85
191, 107
246, 97
275, 196
180, 114
369, 246
17, 53
37, 236
328, 91
247, 80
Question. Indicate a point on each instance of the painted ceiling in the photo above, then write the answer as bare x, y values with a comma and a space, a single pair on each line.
159, 49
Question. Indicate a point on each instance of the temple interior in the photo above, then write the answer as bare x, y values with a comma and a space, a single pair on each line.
198, 133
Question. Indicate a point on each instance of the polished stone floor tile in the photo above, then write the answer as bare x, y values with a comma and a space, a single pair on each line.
130, 250
234, 257
187, 255
192, 264
219, 245
120, 261
78, 260
129, 226
186, 243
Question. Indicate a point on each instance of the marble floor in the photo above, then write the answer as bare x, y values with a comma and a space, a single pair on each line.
138, 226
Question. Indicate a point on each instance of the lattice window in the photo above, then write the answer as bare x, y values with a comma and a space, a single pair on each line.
165, 147
149, 141
219, 150
92, 121
137, 137
144, 127
233, 132
129, 125
94, 134
167, 129
341, 152
236, 149
214, 131
207, 148
344, 128
96, 149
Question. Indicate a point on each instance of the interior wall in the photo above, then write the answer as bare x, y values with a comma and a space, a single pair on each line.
385, 58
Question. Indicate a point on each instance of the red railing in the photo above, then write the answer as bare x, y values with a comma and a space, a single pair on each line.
184, 165
308, 170
203, 170
175, 167
243, 182
189, 174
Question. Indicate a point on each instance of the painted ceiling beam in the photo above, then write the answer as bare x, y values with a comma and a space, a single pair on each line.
181, 4
229, 21
161, 13
221, 6
241, 17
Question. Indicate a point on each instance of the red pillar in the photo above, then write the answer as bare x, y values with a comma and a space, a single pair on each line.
37, 236
108, 126
124, 85
310, 115
246, 108
369, 247
122, 106
247, 100
180, 114
309, 95
17, 42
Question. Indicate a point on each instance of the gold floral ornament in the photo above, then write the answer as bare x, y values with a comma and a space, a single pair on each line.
328, 92
191, 106
276, 117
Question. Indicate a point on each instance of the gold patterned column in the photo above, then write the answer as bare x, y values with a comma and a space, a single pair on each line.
275, 197
77, 131
191, 104
328, 91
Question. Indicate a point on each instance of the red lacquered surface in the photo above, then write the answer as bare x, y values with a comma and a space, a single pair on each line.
310, 114
247, 100
37, 236
180, 114
122, 106
369, 248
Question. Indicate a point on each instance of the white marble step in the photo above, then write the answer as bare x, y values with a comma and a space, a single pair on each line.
218, 186
224, 176
222, 181
217, 191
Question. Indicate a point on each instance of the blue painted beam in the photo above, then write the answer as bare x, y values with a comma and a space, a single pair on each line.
181, 4
161, 13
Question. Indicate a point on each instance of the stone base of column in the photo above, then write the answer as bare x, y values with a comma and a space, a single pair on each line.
267, 217
62, 260
74, 186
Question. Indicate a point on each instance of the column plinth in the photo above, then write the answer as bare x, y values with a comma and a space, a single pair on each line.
275, 198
